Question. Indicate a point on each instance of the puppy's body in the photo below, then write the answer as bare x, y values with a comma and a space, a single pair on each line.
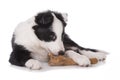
42, 34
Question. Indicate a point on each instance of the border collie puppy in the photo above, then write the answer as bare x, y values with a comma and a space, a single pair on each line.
45, 33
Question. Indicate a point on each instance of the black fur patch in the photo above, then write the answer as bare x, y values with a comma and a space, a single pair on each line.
93, 50
68, 43
12, 41
45, 34
19, 55
44, 19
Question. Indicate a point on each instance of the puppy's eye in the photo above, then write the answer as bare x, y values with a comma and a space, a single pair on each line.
53, 37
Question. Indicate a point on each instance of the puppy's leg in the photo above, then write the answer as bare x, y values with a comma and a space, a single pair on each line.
91, 53
79, 59
100, 55
21, 57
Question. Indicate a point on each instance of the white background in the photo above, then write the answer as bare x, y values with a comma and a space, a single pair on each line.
91, 23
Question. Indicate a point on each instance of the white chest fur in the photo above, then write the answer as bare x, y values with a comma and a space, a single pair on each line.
40, 54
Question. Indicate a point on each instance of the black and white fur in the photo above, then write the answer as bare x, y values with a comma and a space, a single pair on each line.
45, 33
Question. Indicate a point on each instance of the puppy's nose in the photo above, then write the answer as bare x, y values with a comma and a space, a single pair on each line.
61, 53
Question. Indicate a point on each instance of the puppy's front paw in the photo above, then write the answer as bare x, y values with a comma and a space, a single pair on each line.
33, 64
81, 60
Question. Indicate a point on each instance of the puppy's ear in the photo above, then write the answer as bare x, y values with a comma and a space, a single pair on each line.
65, 16
44, 18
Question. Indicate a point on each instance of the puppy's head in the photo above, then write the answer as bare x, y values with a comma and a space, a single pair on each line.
50, 30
